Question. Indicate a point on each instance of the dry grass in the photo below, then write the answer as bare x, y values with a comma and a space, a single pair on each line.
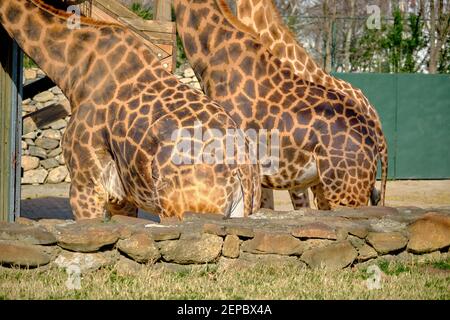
400, 281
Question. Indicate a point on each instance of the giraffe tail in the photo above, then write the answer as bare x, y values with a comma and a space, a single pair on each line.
383, 155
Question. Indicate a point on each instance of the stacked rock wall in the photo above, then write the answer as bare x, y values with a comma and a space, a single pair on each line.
316, 239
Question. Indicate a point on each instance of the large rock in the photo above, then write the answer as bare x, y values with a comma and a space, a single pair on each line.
231, 247
28, 234
29, 163
86, 262
58, 124
49, 163
26, 255
44, 96
34, 176
386, 242
51, 134
159, 233
334, 256
275, 243
315, 230
247, 260
203, 250
37, 152
430, 233
45, 143
128, 267
87, 237
140, 247
57, 175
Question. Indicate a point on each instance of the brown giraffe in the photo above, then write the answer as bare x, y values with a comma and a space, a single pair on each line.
265, 22
125, 108
326, 141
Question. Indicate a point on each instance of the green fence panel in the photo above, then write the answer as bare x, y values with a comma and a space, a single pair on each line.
423, 126
415, 114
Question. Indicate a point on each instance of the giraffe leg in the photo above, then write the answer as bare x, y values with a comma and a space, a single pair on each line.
320, 196
299, 199
267, 200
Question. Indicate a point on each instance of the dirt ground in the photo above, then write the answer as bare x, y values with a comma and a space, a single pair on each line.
51, 201
417, 193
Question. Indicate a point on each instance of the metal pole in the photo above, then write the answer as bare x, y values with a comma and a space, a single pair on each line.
11, 127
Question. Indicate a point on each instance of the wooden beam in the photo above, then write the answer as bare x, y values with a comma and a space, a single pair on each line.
37, 86
163, 10
45, 116
10, 127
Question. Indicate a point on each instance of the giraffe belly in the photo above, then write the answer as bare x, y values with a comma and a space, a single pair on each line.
305, 177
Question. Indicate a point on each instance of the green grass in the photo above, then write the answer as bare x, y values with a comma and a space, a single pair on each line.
146, 14
28, 63
399, 281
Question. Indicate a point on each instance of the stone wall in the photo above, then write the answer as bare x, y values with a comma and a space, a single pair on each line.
308, 238
42, 159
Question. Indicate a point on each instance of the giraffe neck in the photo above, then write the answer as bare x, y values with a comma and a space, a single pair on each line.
78, 60
197, 21
263, 18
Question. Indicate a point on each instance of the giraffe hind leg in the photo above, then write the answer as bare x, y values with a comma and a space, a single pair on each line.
299, 199
267, 200
116, 196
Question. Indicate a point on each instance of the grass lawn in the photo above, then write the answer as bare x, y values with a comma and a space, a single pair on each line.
399, 281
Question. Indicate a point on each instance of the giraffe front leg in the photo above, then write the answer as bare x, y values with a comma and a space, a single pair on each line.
88, 200
267, 198
299, 199
322, 203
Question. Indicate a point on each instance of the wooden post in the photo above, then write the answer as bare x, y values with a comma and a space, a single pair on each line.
10, 126
163, 10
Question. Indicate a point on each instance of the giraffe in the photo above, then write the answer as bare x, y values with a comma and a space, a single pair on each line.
263, 20
326, 142
119, 144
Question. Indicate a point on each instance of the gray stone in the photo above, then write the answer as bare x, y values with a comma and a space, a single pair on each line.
86, 262
159, 233
231, 246
185, 80
87, 237
34, 176
29, 163
316, 230
59, 124
45, 143
29, 234
37, 152
49, 163
43, 96
51, 134
25, 255
128, 267
140, 247
205, 250
387, 242
334, 256
30, 135
29, 74
56, 90
189, 73
29, 142
29, 108
55, 152
60, 159
275, 243
57, 175
366, 252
